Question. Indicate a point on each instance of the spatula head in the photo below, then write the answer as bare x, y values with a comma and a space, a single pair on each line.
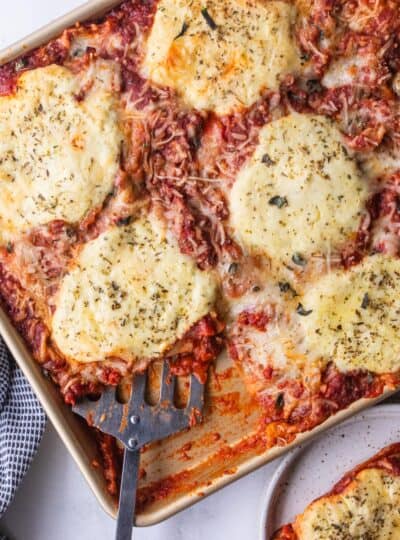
137, 423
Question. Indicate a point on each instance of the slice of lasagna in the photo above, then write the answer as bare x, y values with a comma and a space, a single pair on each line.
364, 504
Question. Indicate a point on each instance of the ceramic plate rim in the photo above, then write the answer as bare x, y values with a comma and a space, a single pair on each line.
283, 468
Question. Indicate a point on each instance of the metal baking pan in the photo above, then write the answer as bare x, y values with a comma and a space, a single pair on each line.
203, 459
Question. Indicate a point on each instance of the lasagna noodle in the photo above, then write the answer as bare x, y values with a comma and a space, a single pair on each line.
131, 295
221, 55
299, 193
59, 155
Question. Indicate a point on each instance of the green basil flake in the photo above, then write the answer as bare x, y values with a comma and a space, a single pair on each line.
184, 28
302, 311
78, 53
299, 259
285, 287
365, 301
233, 268
209, 20
313, 85
267, 160
280, 401
278, 201
124, 221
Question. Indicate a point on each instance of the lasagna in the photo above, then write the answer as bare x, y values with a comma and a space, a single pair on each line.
184, 177
363, 504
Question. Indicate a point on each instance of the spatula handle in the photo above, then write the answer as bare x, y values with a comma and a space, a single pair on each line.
127, 497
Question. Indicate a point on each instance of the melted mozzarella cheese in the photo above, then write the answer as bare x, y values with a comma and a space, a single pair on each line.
132, 294
58, 156
300, 192
355, 316
221, 55
368, 508
348, 71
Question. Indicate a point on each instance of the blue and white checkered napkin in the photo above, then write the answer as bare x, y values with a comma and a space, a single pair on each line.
22, 423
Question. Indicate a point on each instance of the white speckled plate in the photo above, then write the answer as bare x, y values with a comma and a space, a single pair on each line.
311, 470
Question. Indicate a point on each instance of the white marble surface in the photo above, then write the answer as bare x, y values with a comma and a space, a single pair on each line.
54, 502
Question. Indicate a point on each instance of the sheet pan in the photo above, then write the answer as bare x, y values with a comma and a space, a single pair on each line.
202, 456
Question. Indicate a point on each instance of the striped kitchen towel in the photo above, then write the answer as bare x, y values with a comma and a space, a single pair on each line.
22, 423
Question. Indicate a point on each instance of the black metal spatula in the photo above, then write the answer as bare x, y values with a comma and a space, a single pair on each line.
137, 423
